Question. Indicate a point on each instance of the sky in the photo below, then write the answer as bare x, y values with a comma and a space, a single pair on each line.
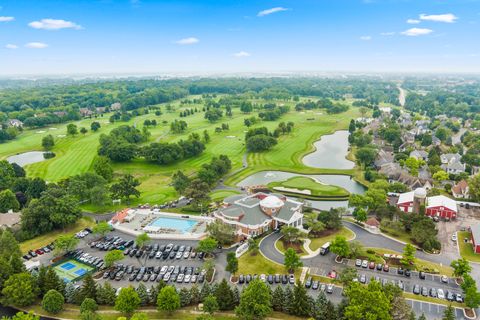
60, 37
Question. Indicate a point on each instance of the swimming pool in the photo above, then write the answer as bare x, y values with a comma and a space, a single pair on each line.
182, 225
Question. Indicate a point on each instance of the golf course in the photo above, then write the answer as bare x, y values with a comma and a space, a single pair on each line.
308, 188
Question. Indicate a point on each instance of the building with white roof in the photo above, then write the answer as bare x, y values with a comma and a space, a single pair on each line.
436, 206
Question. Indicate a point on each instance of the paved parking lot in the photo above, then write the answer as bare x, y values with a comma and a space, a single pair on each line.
431, 310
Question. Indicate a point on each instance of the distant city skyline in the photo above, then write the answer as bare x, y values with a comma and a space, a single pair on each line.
52, 37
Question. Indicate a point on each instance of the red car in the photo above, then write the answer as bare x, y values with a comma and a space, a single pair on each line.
386, 268
371, 265
39, 251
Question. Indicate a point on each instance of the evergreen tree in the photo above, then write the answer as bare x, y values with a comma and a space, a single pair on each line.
205, 291
299, 305
255, 302
143, 294
88, 305
185, 298
449, 313
210, 305
236, 296
195, 295
70, 293
40, 277
88, 290
278, 299
106, 294
53, 282
224, 296
422, 317
288, 298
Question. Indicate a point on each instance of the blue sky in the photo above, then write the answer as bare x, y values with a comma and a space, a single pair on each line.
152, 36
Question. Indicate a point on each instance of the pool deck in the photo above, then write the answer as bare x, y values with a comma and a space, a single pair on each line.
143, 217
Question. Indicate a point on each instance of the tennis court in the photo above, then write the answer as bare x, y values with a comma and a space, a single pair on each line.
71, 270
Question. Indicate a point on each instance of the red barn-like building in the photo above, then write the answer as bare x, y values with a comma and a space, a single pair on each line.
476, 238
437, 206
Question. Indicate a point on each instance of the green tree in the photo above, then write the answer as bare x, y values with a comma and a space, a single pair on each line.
143, 294
53, 301
347, 275
48, 142
103, 167
83, 130
19, 290
408, 258
180, 182
222, 232
278, 299
106, 294
8, 201
168, 300
72, 129
340, 246
198, 191
23, 316
460, 267
88, 304
440, 176
142, 239
65, 243
472, 297
185, 298
316, 226
449, 313
368, 302
474, 187
366, 155
290, 234
113, 256
139, 316
210, 305
300, 306
7, 174
125, 188
360, 214
207, 245
355, 248
127, 301
232, 263
102, 228
253, 246
291, 260
255, 302
224, 295
51, 281
94, 126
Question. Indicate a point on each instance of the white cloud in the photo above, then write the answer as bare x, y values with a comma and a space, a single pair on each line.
187, 41
271, 10
54, 24
387, 33
36, 45
413, 32
11, 46
413, 21
447, 17
366, 38
241, 54
6, 19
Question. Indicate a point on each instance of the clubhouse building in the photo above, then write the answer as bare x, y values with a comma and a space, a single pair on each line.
436, 206
254, 214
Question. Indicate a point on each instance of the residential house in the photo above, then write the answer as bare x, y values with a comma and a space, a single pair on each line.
85, 112
60, 113
101, 109
15, 123
115, 106
451, 163
419, 155
461, 190
384, 157
255, 214
436, 142
9, 220
421, 127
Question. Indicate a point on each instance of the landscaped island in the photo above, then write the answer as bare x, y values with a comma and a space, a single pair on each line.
308, 188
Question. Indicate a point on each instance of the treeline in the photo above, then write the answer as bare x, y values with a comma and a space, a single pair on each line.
259, 139
325, 103
123, 144
272, 112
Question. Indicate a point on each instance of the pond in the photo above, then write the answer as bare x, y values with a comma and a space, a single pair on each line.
265, 177
330, 152
22, 159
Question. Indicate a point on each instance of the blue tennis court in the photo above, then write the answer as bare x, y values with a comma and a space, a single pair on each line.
67, 266
72, 270
80, 272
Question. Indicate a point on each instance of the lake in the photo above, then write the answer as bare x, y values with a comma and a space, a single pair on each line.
22, 159
330, 152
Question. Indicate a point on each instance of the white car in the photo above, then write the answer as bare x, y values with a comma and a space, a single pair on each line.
364, 263
329, 288
444, 279
187, 278
454, 237
186, 254
263, 278
440, 294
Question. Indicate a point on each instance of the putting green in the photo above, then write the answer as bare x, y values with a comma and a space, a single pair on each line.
308, 188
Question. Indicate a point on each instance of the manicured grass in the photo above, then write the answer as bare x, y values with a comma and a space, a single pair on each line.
257, 264
219, 195
281, 247
399, 234
466, 249
313, 188
48, 238
75, 155
318, 242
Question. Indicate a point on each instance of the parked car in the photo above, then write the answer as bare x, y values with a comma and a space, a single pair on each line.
364, 263
363, 278
421, 275
329, 288
379, 266
386, 268
291, 279
408, 273
358, 263
241, 279
371, 265
433, 292
424, 291
444, 279
308, 283
416, 289
440, 294
315, 285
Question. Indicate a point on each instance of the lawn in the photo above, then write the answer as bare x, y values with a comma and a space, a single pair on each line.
48, 238
399, 234
306, 187
219, 195
75, 154
280, 245
257, 264
320, 241
466, 248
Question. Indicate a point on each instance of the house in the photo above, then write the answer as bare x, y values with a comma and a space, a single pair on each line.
436, 142
9, 220
84, 112
254, 214
101, 109
60, 113
405, 119
408, 137
461, 190
419, 155
475, 233
383, 157
15, 123
451, 163
115, 106
436, 206
421, 127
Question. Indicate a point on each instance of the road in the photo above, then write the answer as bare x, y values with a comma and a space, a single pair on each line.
401, 96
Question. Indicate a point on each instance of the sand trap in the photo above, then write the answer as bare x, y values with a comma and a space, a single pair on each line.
270, 175
302, 112
61, 136
41, 131
294, 190
230, 137
319, 113
52, 128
